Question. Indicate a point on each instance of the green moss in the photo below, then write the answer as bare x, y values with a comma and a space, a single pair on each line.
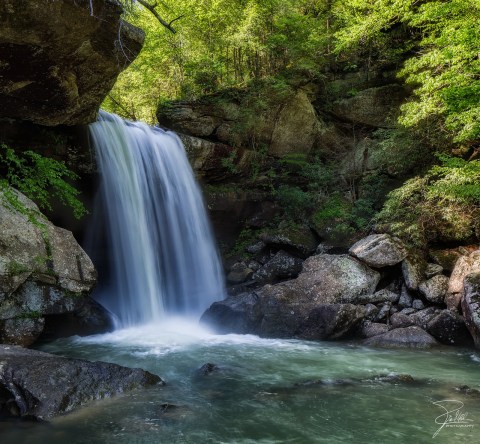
16, 268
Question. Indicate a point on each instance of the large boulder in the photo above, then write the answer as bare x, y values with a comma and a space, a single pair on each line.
408, 337
297, 240
332, 279
449, 328
281, 266
379, 250
288, 126
59, 59
235, 314
289, 308
464, 266
43, 270
413, 270
333, 321
471, 306
376, 107
43, 385
435, 289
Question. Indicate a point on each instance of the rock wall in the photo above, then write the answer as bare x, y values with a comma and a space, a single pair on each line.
59, 59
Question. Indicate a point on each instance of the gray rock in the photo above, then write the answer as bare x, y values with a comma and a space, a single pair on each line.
89, 319
280, 310
207, 369
371, 311
255, 248
44, 385
464, 266
408, 337
400, 320
21, 331
375, 107
422, 317
471, 306
254, 265
239, 272
329, 278
370, 329
379, 296
43, 270
298, 240
383, 314
418, 304
379, 250
235, 314
333, 321
433, 270
449, 328
435, 289
70, 58
408, 311
281, 266
406, 298
413, 269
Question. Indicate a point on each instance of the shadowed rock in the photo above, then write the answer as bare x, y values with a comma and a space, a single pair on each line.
44, 385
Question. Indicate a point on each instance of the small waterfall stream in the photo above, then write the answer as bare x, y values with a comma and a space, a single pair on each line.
161, 254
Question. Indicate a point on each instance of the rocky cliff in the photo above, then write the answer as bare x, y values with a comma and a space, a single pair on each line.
60, 58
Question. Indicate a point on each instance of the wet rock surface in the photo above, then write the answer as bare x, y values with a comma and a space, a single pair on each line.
43, 386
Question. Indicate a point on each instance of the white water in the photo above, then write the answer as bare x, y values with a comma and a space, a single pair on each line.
161, 254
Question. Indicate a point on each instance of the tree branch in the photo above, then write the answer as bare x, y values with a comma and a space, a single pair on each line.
151, 8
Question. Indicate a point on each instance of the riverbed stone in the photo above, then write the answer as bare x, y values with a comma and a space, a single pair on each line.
383, 295
448, 327
421, 318
471, 306
413, 270
408, 337
406, 299
400, 320
280, 266
370, 329
44, 386
379, 250
418, 304
371, 311
383, 313
433, 270
435, 289
239, 272
331, 321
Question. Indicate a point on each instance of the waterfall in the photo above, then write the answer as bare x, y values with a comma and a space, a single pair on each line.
161, 256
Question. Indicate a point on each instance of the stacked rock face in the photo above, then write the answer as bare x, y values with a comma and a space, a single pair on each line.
380, 291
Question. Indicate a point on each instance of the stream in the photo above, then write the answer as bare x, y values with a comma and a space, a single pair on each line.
264, 391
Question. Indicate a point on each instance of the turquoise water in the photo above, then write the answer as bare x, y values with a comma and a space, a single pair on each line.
253, 397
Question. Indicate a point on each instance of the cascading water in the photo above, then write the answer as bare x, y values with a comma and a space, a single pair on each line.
162, 258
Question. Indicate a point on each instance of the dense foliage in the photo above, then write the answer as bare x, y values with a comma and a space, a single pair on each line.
270, 47
39, 178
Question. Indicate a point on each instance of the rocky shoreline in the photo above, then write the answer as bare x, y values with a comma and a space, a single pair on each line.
380, 292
